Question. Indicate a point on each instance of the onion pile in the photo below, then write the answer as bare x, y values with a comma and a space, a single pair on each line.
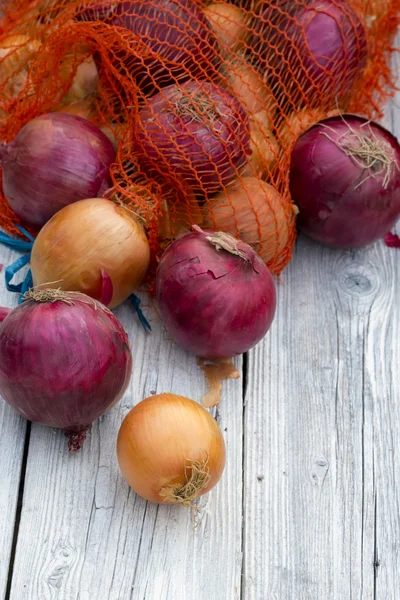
65, 360
345, 179
95, 247
215, 294
197, 132
170, 449
254, 211
55, 159
314, 50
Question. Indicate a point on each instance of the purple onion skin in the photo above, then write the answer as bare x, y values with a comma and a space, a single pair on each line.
314, 50
340, 206
213, 303
54, 160
63, 365
177, 35
181, 147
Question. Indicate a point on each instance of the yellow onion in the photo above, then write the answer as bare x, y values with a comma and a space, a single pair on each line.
247, 85
297, 123
254, 211
170, 449
264, 146
81, 108
16, 52
229, 23
87, 244
87, 110
86, 78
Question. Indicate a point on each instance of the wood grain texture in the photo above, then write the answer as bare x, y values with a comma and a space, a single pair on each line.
84, 535
12, 438
322, 430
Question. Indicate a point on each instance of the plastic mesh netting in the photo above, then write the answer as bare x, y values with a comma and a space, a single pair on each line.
204, 101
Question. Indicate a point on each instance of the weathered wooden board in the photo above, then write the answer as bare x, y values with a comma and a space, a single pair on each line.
322, 430
84, 535
12, 438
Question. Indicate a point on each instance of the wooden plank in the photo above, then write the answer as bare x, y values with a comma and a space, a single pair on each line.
12, 438
322, 424
85, 535
383, 358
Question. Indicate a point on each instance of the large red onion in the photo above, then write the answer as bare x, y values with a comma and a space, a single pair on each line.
55, 159
179, 41
64, 360
313, 49
345, 180
197, 133
215, 294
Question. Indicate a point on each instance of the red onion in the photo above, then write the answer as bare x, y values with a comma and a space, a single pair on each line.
176, 34
215, 294
64, 360
314, 48
55, 159
197, 132
3, 313
345, 180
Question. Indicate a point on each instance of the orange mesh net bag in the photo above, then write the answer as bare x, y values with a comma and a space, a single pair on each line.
204, 101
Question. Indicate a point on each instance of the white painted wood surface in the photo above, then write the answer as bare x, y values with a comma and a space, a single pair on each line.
308, 507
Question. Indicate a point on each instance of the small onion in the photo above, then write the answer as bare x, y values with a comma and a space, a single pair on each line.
229, 23
170, 449
55, 159
215, 294
316, 50
178, 37
86, 240
197, 132
345, 179
65, 360
253, 210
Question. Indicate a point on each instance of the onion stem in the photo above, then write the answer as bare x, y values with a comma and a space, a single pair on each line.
368, 152
197, 477
224, 241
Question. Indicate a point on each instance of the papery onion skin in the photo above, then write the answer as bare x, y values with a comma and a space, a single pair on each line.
159, 437
63, 362
176, 33
181, 136
342, 204
55, 160
86, 237
213, 303
322, 47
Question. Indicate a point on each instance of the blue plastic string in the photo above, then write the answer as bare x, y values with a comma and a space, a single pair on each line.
136, 304
16, 244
